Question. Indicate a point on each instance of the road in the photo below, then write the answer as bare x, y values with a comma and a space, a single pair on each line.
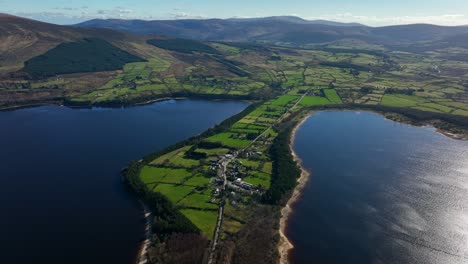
276, 122
224, 164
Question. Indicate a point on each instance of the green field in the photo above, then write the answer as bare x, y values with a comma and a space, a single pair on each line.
424, 104
197, 200
173, 192
284, 100
401, 100
203, 219
332, 96
197, 180
176, 159
314, 100
150, 174
229, 140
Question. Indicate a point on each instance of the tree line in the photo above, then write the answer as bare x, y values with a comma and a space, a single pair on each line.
285, 171
167, 219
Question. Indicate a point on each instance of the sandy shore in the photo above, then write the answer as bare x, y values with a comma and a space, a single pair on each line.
141, 257
285, 246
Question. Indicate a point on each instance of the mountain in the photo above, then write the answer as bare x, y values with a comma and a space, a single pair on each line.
280, 29
416, 32
23, 39
234, 29
294, 19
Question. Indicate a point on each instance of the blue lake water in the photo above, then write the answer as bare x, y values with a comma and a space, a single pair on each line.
61, 196
379, 192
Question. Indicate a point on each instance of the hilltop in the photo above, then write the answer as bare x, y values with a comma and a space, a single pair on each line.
283, 30
22, 39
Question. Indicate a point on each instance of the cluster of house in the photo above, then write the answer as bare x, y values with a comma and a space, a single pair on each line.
215, 165
238, 189
254, 153
245, 185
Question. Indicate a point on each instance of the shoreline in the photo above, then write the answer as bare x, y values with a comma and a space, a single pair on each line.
141, 255
89, 106
285, 245
160, 100
116, 106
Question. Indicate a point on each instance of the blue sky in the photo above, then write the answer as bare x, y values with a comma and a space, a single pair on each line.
370, 12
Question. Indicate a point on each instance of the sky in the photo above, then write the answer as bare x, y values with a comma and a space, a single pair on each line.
369, 12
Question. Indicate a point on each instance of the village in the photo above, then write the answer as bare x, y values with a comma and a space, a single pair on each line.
230, 174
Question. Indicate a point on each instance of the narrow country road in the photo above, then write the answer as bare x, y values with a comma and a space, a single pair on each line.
224, 164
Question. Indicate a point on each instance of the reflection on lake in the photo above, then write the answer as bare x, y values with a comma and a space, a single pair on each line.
379, 192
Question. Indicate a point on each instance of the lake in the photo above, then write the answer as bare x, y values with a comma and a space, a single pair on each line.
379, 192
62, 199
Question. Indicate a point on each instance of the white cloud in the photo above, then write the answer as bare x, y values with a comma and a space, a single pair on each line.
72, 15
66, 8
118, 12
444, 19
183, 15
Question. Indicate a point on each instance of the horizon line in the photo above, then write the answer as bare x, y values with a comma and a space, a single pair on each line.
229, 18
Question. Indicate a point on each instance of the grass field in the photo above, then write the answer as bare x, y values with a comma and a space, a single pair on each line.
173, 192
229, 140
197, 200
250, 163
197, 180
205, 220
150, 174
314, 100
176, 159
425, 104
401, 100
332, 96
259, 178
284, 100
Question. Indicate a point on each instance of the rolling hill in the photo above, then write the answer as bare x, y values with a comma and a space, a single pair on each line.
23, 39
87, 55
282, 29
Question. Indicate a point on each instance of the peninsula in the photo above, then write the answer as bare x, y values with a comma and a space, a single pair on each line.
219, 197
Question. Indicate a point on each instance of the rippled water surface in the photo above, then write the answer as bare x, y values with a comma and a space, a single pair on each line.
61, 196
380, 192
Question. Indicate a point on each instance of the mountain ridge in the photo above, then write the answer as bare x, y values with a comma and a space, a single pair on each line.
278, 29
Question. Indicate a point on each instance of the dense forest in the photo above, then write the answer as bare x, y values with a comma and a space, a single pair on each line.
88, 55
285, 170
